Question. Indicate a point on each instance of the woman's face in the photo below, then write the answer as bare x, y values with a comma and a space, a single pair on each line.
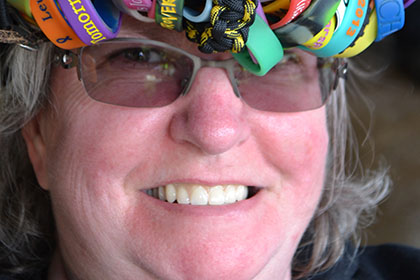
97, 160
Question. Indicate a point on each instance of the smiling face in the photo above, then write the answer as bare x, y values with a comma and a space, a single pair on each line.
99, 160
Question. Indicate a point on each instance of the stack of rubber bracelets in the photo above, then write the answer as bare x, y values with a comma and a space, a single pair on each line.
255, 31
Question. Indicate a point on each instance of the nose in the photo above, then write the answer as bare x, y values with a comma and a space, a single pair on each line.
211, 117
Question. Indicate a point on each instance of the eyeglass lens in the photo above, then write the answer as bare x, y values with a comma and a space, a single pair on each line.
138, 74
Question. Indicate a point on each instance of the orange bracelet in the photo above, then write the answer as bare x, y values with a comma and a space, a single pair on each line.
49, 18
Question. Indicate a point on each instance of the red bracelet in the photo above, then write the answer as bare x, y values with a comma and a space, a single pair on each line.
151, 12
296, 8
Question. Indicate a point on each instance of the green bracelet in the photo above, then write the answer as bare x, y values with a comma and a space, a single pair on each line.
264, 46
168, 14
22, 6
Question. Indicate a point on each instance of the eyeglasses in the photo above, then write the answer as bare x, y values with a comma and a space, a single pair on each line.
145, 73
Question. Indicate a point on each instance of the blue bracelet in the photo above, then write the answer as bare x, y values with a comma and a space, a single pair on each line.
195, 16
348, 30
391, 16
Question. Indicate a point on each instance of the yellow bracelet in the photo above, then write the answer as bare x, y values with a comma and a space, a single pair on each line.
22, 6
323, 37
276, 5
365, 40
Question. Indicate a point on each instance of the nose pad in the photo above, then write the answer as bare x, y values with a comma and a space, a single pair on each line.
212, 117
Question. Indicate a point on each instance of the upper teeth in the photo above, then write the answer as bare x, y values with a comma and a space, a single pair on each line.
200, 194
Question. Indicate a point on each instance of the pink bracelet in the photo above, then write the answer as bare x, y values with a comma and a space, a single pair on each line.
92, 23
135, 14
139, 5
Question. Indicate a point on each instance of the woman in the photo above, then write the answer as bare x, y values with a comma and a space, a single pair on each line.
99, 183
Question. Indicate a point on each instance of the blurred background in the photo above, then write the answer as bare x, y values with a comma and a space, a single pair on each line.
388, 74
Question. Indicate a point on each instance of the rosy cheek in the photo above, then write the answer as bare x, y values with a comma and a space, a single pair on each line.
295, 143
102, 140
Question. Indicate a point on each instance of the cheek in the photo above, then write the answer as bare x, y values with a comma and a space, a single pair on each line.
105, 144
98, 139
295, 144
89, 158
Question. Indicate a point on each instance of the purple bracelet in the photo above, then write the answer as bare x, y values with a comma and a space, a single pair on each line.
260, 11
92, 24
408, 3
139, 5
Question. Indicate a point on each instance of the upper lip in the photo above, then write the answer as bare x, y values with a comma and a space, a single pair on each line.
204, 183
141, 179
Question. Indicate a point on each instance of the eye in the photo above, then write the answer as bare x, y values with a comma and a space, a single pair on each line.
139, 58
136, 54
144, 55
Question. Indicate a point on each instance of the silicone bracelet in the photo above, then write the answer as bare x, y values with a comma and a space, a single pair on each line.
138, 5
53, 25
348, 30
407, 3
195, 16
260, 11
22, 6
364, 41
265, 47
391, 17
308, 24
276, 5
322, 38
152, 11
340, 12
28, 19
135, 14
295, 9
92, 23
168, 14
338, 19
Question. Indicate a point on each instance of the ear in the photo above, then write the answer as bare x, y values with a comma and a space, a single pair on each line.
35, 145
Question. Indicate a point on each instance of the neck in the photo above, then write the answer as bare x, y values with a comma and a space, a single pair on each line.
57, 269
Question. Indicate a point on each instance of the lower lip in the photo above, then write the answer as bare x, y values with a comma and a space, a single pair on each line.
206, 210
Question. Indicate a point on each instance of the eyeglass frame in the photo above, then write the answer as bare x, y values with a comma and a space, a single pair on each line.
69, 59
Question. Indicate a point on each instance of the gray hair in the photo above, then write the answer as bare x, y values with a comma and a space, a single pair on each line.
26, 221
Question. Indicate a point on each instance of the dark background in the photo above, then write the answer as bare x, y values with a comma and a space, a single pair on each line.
388, 74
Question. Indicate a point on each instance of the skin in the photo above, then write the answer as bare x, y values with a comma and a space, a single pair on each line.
95, 159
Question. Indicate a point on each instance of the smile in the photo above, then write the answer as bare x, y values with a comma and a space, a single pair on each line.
195, 194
